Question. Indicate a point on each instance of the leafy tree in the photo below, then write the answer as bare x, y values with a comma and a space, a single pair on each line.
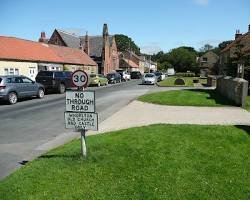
222, 45
183, 60
164, 66
206, 47
124, 43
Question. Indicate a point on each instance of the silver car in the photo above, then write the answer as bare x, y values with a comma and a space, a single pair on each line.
149, 78
13, 88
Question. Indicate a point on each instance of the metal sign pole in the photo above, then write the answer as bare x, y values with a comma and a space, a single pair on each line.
83, 135
83, 144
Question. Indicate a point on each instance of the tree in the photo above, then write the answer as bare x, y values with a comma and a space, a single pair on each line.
164, 66
206, 47
223, 44
124, 43
182, 59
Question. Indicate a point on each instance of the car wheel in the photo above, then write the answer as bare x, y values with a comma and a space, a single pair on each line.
61, 88
99, 84
12, 98
41, 93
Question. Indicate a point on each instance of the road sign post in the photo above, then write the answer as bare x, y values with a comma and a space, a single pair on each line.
80, 108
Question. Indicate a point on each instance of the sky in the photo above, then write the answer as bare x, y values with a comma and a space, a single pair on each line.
154, 25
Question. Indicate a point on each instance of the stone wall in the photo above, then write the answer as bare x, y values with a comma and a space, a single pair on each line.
235, 89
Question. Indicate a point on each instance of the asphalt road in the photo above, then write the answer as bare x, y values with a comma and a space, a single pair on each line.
27, 125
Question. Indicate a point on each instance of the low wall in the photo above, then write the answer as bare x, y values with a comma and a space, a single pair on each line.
235, 89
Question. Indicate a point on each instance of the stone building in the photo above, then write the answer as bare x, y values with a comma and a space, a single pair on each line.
229, 51
102, 49
208, 63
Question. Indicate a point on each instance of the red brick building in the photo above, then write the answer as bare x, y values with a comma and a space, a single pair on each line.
102, 49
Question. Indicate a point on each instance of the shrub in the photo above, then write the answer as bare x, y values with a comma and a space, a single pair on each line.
185, 74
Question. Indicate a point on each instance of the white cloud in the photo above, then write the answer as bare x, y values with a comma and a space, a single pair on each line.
201, 2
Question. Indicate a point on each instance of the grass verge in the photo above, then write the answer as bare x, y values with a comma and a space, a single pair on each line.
153, 162
187, 98
169, 81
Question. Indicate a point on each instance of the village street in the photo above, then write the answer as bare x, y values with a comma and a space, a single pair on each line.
31, 123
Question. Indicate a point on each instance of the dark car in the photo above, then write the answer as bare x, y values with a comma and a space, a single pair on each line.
13, 88
135, 75
114, 77
158, 76
55, 80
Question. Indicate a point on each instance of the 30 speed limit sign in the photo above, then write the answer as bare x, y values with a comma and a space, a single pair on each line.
80, 78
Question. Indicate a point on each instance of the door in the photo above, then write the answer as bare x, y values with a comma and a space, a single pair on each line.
29, 87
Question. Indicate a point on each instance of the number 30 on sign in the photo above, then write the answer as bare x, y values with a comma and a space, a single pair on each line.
80, 78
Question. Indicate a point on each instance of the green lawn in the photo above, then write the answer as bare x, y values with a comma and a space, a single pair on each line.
169, 81
154, 162
186, 98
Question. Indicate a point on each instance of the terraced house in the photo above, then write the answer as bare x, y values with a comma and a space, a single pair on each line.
228, 52
102, 49
25, 57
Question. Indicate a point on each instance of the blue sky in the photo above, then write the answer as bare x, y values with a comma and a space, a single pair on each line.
153, 25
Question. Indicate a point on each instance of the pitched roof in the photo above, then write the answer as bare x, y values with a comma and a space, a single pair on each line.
246, 49
71, 40
19, 49
26, 50
95, 44
233, 44
131, 63
72, 56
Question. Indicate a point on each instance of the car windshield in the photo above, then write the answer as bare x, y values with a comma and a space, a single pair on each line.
92, 75
157, 73
149, 75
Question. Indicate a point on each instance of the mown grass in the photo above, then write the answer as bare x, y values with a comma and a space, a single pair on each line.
153, 162
169, 81
187, 98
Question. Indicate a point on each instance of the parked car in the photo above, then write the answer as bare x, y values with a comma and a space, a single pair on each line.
158, 76
149, 78
98, 80
55, 80
135, 75
13, 88
124, 75
114, 77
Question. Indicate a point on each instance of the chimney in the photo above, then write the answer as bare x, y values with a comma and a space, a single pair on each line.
43, 37
105, 31
249, 28
86, 44
237, 34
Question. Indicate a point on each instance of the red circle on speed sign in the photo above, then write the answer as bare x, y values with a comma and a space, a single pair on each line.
80, 78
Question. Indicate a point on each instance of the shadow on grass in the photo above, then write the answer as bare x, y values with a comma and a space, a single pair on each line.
244, 128
215, 96
76, 156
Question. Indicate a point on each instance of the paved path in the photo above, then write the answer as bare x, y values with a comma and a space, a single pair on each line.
138, 114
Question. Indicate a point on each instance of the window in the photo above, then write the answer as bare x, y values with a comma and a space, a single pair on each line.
6, 71
11, 71
204, 59
16, 71
17, 80
8, 80
58, 74
26, 80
